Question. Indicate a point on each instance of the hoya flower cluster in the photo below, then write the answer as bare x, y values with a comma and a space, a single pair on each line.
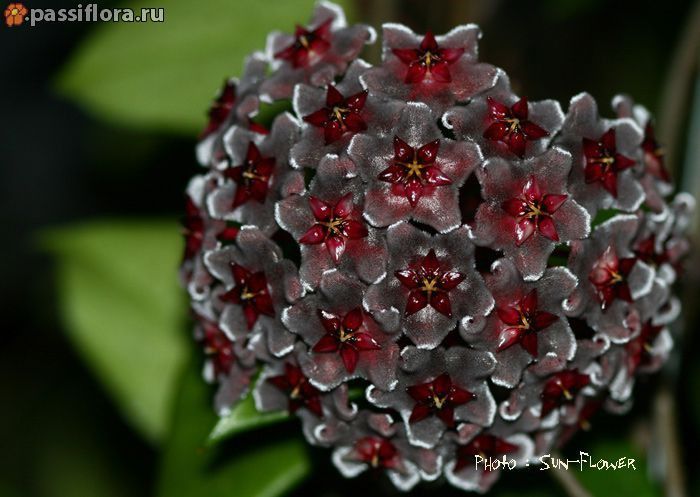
419, 263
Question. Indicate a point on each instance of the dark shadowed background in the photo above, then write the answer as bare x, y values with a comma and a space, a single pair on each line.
98, 127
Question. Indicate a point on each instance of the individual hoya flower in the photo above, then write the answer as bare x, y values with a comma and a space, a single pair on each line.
413, 172
227, 363
655, 178
463, 470
236, 103
437, 390
430, 285
436, 70
332, 115
282, 386
327, 222
258, 284
344, 341
377, 442
505, 125
527, 323
648, 350
314, 54
611, 279
256, 175
605, 152
527, 209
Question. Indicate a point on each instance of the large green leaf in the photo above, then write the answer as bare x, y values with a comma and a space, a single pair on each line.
242, 418
164, 74
122, 307
191, 468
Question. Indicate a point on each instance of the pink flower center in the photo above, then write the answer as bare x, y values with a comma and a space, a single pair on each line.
429, 285
251, 293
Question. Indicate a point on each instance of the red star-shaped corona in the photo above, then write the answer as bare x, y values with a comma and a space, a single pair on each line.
429, 285
561, 389
438, 397
377, 452
252, 177
428, 61
523, 321
511, 125
251, 293
413, 170
343, 336
340, 115
603, 163
301, 393
307, 45
609, 276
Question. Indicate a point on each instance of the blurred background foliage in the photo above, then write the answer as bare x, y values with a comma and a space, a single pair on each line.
100, 386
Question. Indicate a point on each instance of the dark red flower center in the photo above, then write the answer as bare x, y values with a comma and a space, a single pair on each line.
485, 446
413, 170
428, 61
523, 320
654, 155
218, 347
251, 293
603, 163
345, 337
252, 177
340, 115
639, 349
307, 46
193, 229
438, 397
533, 212
334, 225
609, 277
377, 452
220, 108
428, 284
301, 393
646, 251
561, 389
511, 126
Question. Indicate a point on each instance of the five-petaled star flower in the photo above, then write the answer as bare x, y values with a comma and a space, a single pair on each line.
511, 125
340, 115
218, 347
428, 60
377, 452
438, 397
639, 348
609, 276
603, 162
344, 337
533, 210
301, 393
307, 45
251, 293
252, 177
561, 389
523, 321
413, 169
333, 226
429, 285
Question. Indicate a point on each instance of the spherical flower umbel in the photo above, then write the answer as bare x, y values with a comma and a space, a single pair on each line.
484, 269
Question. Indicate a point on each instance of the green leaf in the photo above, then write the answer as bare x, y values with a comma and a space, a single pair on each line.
190, 468
626, 482
164, 75
123, 309
244, 417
